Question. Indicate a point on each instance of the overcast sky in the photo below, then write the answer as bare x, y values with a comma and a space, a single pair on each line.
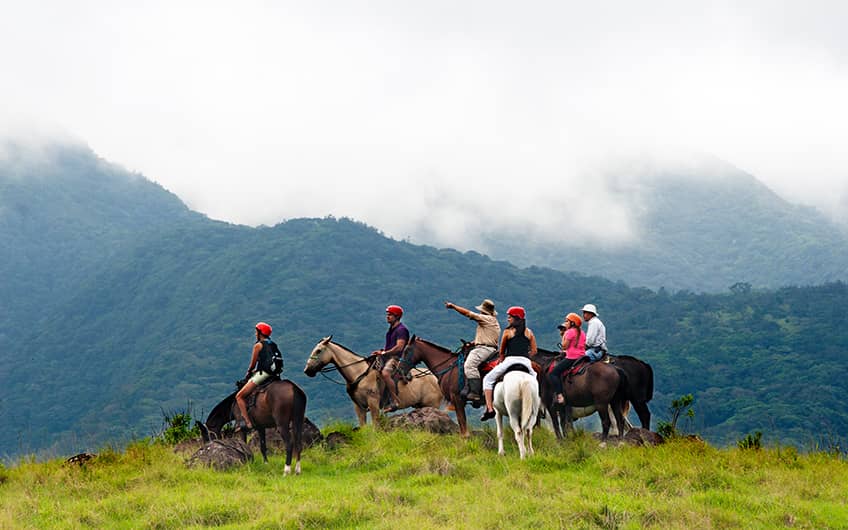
254, 112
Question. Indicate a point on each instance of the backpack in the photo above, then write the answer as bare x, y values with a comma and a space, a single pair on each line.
271, 358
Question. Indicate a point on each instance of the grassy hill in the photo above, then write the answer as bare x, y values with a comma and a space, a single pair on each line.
418, 480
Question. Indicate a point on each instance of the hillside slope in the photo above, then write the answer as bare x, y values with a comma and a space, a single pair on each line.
698, 229
166, 317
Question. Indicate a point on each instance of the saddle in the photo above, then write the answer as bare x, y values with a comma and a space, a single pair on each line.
582, 364
260, 389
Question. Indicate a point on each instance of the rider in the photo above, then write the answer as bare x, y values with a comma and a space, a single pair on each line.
485, 344
574, 347
596, 333
518, 345
258, 372
396, 339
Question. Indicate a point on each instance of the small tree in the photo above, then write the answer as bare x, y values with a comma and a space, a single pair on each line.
669, 429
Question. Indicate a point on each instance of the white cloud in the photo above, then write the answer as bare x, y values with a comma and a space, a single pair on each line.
487, 113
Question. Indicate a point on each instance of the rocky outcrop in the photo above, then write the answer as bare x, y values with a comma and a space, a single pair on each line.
427, 418
639, 436
222, 454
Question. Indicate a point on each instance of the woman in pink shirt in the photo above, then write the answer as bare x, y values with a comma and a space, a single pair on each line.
574, 347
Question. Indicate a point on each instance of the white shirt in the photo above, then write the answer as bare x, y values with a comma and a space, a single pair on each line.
596, 334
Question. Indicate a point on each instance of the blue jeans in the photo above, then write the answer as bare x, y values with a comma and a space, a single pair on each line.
594, 354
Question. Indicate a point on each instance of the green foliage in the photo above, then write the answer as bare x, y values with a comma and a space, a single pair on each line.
142, 305
179, 426
751, 441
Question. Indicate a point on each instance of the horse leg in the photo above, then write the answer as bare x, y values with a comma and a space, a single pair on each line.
459, 406
285, 434
566, 419
498, 422
361, 414
603, 412
260, 431
620, 420
644, 414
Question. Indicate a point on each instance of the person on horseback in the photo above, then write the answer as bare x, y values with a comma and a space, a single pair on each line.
396, 339
518, 345
484, 345
596, 333
259, 370
574, 347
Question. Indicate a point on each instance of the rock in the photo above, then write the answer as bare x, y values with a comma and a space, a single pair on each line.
427, 418
222, 454
80, 459
639, 436
336, 439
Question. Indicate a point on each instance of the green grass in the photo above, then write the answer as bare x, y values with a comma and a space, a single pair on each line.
418, 480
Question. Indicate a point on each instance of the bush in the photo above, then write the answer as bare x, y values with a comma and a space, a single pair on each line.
179, 426
751, 441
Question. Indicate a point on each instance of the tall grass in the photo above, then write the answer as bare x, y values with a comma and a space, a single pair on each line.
417, 480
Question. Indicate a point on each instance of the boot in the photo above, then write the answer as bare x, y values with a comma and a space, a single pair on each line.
475, 390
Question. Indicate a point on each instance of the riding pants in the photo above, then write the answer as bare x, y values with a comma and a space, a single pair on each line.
475, 359
259, 377
555, 377
500, 369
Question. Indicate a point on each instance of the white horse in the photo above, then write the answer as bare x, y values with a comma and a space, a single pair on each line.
517, 397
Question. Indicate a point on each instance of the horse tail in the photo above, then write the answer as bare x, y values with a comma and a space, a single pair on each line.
620, 395
298, 414
527, 401
649, 388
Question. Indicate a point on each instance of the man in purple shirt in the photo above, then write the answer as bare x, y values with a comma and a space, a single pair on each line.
396, 338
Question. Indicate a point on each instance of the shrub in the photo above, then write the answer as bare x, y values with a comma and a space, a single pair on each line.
669, 429
751, 441
179, 426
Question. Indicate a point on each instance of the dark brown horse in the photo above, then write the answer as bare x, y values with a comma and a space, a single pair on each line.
640, 385
546, 358
280, 404
599, 388
444, 364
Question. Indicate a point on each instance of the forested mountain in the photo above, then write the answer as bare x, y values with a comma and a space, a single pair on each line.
150, 306
702, 228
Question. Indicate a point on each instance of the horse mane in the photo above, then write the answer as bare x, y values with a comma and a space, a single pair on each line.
342, 346
433, 344
222, 411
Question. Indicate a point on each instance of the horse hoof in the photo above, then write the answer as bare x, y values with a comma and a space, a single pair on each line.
603, 444
287, 471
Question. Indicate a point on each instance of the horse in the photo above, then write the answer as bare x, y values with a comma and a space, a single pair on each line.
517, 397
280, 404
445, 365
365, 386
546, 358
640, 385
600, 386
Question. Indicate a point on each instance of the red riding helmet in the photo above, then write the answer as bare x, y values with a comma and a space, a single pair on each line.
516, 311
396, 310
264, 329
575, 319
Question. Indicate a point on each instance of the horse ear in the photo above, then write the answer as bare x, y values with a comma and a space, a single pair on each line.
330, 337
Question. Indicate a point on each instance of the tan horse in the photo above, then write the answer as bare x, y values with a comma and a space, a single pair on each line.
365, 386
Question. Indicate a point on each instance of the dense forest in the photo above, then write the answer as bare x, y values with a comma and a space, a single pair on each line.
120, 303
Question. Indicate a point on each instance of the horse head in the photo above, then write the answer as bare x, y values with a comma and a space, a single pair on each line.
319, 357
409, 357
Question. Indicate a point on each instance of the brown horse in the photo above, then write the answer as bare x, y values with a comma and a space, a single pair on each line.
280, 404
561, 423
601, 386
365, 386
445, 365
